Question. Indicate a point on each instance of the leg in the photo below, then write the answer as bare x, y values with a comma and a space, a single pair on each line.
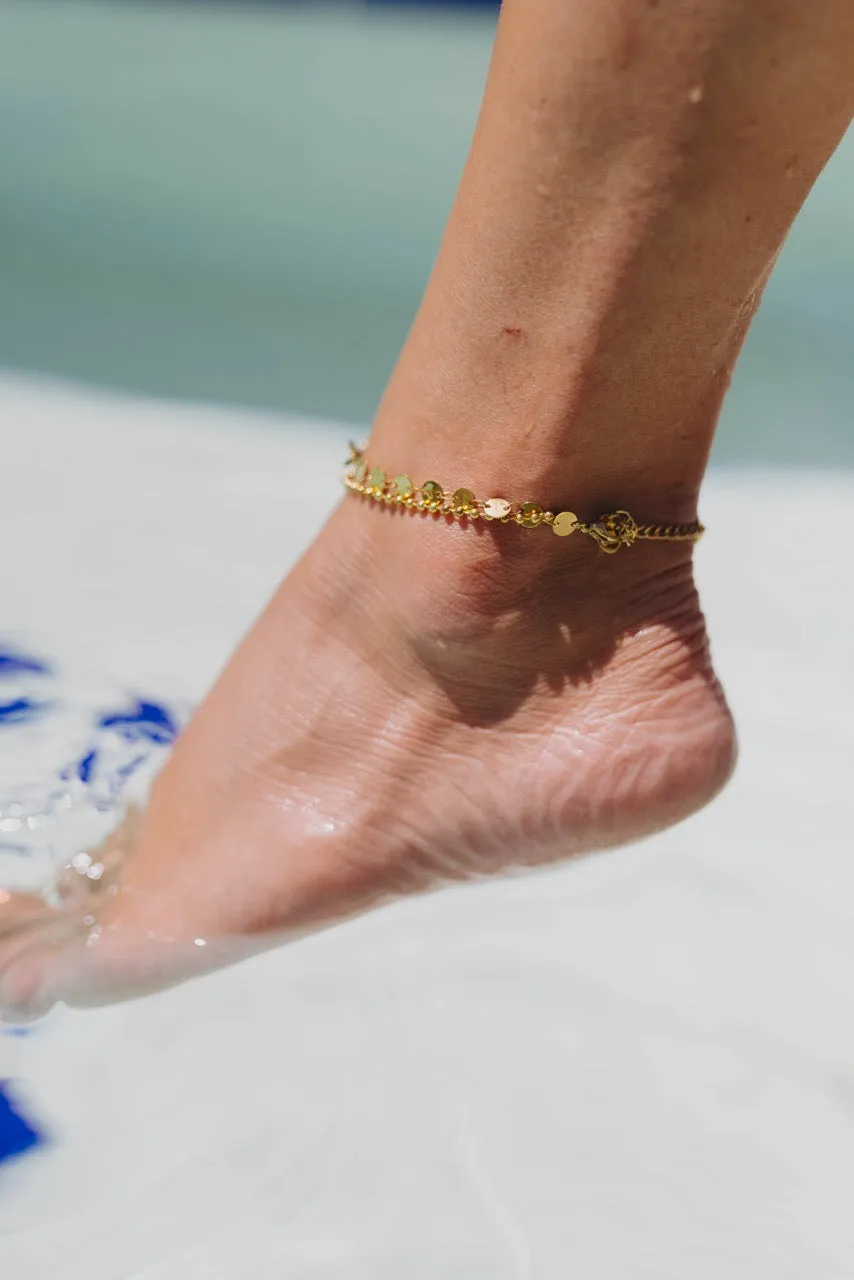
422, 703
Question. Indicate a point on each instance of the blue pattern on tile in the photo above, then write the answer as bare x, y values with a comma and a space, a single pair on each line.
21, 710
21, 664
17, 1133
149, 721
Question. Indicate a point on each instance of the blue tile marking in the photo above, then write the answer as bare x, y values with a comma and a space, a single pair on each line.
86, 766
128, 770
148, 721
21, 711
17, 1134
21, 664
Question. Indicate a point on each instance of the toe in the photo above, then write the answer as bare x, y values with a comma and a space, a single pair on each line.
32, 937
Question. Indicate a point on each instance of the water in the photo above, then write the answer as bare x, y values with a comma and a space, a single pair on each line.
77, 756
242, 203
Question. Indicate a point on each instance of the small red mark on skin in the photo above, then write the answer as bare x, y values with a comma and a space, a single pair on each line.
513, 331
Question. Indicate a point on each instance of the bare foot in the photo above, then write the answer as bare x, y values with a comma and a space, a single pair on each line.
419, 704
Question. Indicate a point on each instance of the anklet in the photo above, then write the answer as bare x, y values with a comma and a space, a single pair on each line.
618, 529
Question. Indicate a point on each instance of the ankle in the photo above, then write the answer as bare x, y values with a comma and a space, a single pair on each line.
500, 585
480, 626
575, 447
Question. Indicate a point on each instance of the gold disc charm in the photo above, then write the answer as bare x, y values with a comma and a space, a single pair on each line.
432, 494
612, 531
463, 501
564, 523
530, 514
496, 508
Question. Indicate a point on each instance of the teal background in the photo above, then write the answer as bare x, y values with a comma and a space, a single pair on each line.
241, 204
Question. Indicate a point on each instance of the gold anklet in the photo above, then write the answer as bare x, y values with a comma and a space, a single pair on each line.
619, 529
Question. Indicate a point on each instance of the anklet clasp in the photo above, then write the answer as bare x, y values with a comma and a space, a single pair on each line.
613, 531
610, 532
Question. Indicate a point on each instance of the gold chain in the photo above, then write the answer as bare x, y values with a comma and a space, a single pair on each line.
618, 529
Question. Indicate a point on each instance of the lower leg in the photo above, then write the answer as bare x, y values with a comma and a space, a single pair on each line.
635, 170
422, 703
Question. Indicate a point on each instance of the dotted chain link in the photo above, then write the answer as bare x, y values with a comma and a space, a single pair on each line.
611, 532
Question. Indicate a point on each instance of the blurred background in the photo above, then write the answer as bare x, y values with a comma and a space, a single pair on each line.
240, 202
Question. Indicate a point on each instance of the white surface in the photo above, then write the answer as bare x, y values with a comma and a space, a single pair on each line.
639, 1067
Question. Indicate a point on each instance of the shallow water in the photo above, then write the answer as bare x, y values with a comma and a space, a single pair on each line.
76, 754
